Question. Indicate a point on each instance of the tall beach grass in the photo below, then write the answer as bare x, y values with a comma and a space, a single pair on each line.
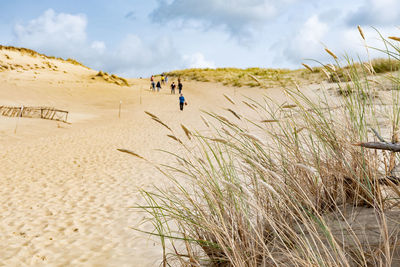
287, 184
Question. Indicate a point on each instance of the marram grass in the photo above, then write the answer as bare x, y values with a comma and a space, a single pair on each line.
285, 186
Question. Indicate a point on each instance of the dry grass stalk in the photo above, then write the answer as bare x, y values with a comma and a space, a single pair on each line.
162, 123
331, 53
252, 137
130, 152
394, 38
255, 79
234, 113
151, 115
187, 132
330, 67
326, 73
361, 31
229, 99
174, 138
220, 140
307, 67
205, 121
289, 106
268, 121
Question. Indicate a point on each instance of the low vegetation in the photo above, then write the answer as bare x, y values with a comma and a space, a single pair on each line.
265, 78
112, 78
253, 77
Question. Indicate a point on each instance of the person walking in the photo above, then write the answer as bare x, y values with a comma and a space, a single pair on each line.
180, 86
162, 79
173, 86
166, 79
152, 83
182, 102
158, 86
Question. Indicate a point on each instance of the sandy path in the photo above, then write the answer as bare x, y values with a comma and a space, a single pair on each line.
66, 192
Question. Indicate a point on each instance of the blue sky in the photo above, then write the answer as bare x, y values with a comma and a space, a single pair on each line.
137, 38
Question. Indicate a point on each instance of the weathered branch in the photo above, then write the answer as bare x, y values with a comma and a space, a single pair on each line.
381, 146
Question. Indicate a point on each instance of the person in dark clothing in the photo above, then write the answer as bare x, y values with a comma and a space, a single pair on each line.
180, 86
153, 86
158, 86
173, 86
181, 102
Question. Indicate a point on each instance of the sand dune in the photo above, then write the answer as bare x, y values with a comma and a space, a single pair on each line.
67, 193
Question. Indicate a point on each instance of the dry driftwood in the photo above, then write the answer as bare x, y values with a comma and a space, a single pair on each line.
381, 145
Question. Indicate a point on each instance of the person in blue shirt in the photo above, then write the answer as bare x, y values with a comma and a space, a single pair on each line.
181, 102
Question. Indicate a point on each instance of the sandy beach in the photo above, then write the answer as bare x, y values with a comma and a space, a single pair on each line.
67, 194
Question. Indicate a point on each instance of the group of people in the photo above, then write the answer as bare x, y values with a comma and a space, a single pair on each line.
163, 81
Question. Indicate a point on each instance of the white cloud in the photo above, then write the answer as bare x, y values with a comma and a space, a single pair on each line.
135, 56
98, 46
64, 35
239, 17
52, 32
197, 60
314, 35
376, 13
307, 43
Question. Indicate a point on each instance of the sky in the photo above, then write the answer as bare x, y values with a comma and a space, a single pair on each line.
138, 38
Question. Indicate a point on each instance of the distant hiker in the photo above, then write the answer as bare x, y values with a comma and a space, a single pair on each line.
153, 85
180, 86
158, 86
173, 86
166, 79
182, 102
162, 79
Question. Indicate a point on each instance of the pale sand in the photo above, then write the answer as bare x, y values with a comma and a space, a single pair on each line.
66, 191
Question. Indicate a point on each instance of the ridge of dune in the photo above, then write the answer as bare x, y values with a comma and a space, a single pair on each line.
27, 62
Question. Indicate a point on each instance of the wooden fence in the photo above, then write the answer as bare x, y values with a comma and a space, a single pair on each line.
47, 113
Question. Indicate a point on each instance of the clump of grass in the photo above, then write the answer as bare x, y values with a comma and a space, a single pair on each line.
112, 78
382, 65
285, 186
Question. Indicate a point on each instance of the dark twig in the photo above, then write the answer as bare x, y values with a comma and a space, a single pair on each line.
381, 146
378, 136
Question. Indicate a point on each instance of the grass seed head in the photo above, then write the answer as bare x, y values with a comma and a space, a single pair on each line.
361, 31
394, 38
187, 132
229, 99
307, 67
205, 121
331, 53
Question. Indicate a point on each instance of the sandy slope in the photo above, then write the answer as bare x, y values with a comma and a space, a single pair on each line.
66, 191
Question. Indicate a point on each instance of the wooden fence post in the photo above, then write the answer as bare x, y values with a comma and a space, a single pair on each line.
119, 112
